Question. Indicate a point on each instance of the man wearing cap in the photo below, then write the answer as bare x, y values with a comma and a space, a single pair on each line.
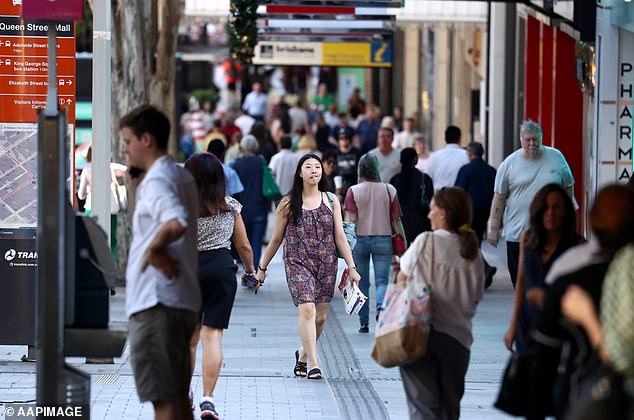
347, 160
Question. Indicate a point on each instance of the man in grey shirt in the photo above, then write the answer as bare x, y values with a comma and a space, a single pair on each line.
389, 158
162, 291
519, 177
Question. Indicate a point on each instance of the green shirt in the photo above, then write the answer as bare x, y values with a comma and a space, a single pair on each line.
322, 103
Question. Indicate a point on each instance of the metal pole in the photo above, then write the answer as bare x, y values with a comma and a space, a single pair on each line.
51, 229
51, 98
101, 114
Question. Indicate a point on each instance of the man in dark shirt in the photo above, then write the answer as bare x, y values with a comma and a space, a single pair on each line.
347, 161
368, 129
329, 160
477, 178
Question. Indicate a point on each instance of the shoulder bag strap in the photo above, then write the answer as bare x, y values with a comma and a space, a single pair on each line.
389, 207
432, 259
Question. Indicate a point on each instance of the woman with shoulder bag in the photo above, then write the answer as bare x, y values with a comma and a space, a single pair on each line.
313, 231
374, 207
434, 384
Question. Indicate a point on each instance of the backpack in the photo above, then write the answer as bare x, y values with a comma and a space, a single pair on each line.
233, 70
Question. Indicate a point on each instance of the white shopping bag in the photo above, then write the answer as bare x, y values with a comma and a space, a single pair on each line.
353, 298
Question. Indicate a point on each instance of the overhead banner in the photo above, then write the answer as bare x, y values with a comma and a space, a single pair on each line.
351, 54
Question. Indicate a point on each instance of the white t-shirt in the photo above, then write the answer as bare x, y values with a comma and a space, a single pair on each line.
283, 165
443, 165
403, 139
389, 165
244, 122
456, 284
519, 179
422, 164
167, 192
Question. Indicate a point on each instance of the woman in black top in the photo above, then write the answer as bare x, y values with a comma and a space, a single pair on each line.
415, 190
552, 230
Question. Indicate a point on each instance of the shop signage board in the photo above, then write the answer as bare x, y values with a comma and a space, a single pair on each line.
23, 88
351, 54
338, 3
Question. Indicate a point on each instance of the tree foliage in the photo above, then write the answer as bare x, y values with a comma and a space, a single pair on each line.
242, 29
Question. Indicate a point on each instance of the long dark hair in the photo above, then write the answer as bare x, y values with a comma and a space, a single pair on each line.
210, 180
536, 233
458, 215
295, 200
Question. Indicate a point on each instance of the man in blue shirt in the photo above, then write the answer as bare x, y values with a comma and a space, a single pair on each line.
477, 178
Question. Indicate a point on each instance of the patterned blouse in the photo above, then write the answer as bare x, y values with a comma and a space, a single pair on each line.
617, 314
214, 232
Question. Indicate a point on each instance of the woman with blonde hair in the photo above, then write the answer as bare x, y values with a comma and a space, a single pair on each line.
307, 145
434, 384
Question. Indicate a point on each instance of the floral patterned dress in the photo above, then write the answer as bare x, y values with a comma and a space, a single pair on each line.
310, 256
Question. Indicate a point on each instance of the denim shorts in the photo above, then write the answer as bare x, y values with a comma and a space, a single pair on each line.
160, 352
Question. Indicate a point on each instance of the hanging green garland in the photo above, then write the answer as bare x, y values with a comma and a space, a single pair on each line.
242, 29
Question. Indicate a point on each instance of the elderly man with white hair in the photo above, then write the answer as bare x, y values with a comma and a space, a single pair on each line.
518, 179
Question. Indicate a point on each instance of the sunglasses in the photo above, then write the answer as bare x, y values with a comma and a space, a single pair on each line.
330, 162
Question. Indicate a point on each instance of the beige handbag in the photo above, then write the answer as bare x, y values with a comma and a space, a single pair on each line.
403, 328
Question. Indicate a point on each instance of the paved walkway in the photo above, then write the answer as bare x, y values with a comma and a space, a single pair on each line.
257, 381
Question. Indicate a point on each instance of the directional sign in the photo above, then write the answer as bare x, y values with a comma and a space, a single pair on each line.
24, 66
61, 10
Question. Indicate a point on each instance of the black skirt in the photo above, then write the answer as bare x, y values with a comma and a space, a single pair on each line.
218, 284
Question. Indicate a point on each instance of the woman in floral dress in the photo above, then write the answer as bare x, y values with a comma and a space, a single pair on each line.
313, 232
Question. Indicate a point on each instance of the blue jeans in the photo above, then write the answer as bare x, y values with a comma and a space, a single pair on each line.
380, 248
255, 226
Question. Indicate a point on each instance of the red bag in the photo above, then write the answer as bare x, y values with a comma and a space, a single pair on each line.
398, 242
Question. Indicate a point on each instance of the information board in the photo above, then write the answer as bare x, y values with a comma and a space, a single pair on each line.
23, 87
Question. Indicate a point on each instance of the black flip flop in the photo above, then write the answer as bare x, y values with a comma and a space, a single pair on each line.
300, 367
314, 373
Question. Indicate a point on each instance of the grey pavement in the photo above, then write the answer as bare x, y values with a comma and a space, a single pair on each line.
257, 381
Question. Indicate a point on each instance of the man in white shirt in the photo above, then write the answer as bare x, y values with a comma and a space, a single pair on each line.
443, 165
244, 122
406, 137
389, 158
255, 103
284, 164
163, 295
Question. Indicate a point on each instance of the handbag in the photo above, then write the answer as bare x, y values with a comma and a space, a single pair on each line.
515, 384
270, 190
348, 228
118, 195
606, 398
398, 242
403, 328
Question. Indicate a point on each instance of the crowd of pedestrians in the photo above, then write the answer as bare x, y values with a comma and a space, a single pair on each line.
379, 174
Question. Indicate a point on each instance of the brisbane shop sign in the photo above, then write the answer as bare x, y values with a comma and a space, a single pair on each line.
354, 54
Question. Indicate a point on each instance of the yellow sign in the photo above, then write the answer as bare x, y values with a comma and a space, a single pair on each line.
377, 54
353, 54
